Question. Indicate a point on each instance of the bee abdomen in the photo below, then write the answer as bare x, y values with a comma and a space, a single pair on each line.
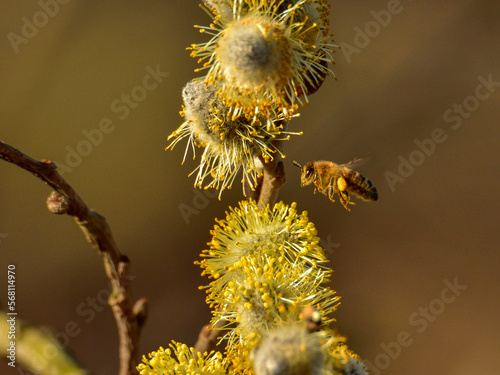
362, 187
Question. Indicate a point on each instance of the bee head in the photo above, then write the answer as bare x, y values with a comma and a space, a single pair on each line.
307, 173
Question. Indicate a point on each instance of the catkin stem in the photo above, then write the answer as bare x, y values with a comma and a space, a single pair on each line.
274, 176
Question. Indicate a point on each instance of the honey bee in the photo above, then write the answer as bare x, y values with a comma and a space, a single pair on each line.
330, 178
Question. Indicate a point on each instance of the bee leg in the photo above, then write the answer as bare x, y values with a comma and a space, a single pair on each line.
343, 194
345, 199
341, 184
331, 191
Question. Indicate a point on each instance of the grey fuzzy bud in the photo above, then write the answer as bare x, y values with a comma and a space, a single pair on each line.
198, 101
250, 52
288, 351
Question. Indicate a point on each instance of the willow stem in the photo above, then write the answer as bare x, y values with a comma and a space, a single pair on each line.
274, 176
129, 316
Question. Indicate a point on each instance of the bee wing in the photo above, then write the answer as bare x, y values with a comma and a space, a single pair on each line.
355, 163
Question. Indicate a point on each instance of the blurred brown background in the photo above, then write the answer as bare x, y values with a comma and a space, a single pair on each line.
391, 258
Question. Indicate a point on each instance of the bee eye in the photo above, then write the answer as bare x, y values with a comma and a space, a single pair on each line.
309, 171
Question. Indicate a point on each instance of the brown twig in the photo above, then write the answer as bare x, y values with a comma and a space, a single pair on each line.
129, 316
208, 337
273, 176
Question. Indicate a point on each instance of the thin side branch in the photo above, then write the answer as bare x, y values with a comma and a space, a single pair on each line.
129, 316
209, 337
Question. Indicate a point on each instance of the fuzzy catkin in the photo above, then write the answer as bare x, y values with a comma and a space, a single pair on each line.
250, 53
289, 350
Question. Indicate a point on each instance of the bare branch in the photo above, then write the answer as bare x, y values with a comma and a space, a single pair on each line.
208, 337
274, 179
129, 317
273, 176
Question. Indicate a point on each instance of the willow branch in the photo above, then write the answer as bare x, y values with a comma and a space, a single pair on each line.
273, 176
129, 316
209, 337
